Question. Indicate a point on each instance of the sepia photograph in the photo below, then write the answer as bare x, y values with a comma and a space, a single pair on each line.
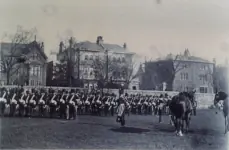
114, 74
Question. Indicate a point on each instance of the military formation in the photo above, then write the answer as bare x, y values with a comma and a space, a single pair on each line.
67, 104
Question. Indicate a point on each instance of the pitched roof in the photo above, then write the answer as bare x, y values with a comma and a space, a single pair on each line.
21, 48
91, 46
186, 57
139, 72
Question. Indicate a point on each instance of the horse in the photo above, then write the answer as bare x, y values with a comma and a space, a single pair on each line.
222, 96
181, 108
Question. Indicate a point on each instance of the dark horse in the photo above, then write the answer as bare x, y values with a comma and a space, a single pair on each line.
224, 97
181, 108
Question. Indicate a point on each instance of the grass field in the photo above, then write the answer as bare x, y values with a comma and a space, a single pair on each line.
87, 132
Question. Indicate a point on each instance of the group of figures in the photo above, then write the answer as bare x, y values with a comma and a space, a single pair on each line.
67, 104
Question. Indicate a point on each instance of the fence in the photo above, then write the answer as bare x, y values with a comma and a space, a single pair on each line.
204, 100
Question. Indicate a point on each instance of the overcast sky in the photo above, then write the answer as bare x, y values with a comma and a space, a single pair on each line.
148, 28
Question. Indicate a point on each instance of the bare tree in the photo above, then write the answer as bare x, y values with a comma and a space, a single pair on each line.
177, 65
17, 43
220, 78
99, 66
128, 72
104, 69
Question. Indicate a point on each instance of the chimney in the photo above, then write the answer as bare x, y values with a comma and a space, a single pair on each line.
42, 46
99, 40
61, 47
124, 46
71, 42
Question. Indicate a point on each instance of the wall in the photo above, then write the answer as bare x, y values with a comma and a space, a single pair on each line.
194, 70
204, 100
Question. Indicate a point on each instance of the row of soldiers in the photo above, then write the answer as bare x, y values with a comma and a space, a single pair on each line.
68, 104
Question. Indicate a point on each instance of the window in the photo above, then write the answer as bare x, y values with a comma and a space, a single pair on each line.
181, 76
91, 57
185, 66
32, 82
203, 90
34, 70
184, 76
86, 57
203, 67
96, 57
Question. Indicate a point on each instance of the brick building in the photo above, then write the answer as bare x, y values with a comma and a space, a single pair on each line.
181, 73
92, 58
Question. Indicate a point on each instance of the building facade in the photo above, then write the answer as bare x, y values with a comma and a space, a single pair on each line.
31, 72
180, 73
93, 61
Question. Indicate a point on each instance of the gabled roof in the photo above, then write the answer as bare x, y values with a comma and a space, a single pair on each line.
37, 46
139, 72
21, 49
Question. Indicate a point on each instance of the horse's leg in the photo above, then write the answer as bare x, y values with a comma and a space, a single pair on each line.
188, 119
225, 119
180, 127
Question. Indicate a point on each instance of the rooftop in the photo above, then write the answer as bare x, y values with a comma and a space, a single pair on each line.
17, 49
99, 46
186, 56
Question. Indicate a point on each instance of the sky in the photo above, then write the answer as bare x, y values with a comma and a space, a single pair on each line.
150, 29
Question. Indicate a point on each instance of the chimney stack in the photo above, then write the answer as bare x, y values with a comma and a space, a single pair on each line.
124, 46
71, 42
99, 40
61, 47
42, 46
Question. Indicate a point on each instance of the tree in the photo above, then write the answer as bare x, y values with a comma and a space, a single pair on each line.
220, 77
178, 65
12, 56
70, 60
103, 68
162, 70
128, 72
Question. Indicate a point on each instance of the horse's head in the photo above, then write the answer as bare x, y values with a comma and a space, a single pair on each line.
219, 96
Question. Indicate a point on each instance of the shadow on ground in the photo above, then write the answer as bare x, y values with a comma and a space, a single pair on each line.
129, 130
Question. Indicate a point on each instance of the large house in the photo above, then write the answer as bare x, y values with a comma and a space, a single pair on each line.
93, 61
31, 72
179, 73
